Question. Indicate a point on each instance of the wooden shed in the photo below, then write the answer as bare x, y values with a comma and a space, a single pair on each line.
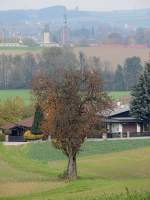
16, 130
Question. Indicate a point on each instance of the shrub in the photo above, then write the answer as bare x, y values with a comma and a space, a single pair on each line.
2, 137
28, 135
14, 110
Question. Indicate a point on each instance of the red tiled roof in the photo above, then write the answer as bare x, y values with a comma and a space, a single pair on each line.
25, 123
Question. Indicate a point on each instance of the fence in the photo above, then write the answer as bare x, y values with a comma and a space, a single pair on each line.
16, 138
128, 134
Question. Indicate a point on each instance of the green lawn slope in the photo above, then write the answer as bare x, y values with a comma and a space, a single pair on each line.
119, 169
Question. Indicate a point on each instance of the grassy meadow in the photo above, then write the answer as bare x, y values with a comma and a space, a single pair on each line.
19, 50
119, 169
26, 94
115, 95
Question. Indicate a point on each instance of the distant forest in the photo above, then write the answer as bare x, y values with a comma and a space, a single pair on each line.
17, 72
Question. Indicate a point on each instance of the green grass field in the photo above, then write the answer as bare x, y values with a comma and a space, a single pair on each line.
119, 169
118, 94
19, 50
25, 94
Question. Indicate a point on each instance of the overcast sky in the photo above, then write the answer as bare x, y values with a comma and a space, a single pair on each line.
82, 4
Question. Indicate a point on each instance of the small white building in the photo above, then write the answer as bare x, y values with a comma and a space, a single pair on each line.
47, 39
51, 44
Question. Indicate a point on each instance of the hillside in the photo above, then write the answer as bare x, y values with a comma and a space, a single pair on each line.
30, 172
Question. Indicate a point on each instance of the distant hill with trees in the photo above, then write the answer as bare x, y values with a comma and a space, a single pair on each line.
55, 13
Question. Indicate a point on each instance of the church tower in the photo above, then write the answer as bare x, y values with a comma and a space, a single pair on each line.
46, 35
65, 31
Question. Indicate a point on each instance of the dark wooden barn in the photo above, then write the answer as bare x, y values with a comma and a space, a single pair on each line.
15, 131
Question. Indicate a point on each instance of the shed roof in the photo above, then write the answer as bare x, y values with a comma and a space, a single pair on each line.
23, 123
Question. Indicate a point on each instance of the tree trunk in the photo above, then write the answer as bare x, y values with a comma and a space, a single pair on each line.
72, 167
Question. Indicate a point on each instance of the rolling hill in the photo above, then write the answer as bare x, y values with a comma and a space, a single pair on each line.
31, 172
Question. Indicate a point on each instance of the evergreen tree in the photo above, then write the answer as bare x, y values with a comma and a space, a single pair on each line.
119, 84
38, 117
140, 105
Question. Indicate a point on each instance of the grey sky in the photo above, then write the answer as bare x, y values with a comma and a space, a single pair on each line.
83, 4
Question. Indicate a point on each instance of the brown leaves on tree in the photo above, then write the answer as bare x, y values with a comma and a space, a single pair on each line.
70, 103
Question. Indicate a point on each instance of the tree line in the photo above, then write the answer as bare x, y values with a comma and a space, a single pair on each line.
124, 78
127, 76
17, 71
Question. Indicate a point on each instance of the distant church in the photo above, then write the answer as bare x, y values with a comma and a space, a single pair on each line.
65, 32
47, 38
46, 35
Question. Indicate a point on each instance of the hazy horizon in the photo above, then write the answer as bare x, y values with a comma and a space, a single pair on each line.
97, 5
